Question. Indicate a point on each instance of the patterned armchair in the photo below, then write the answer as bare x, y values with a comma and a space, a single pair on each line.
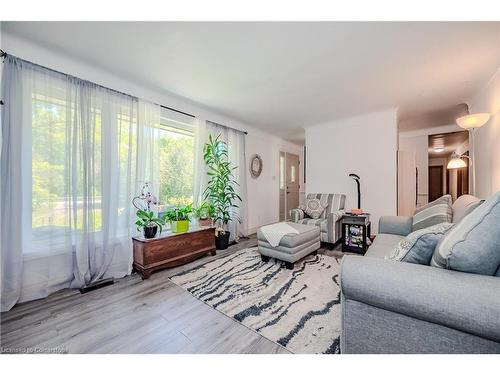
329, 221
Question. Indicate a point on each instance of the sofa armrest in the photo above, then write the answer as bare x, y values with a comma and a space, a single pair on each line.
462, 301
296, 214
400, 225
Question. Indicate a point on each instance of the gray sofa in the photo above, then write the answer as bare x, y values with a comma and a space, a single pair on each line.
398, 307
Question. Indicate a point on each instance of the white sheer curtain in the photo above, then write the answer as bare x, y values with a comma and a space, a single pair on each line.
148, 146
69, 169
235, 140
200, 169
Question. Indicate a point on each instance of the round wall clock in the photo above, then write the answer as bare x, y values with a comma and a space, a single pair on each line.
255, 166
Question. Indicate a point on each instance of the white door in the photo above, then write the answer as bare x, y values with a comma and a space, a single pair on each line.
289, 184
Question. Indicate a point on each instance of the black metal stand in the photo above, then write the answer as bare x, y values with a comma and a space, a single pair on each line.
96, 285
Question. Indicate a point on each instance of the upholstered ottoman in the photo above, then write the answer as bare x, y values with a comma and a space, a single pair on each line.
292, 246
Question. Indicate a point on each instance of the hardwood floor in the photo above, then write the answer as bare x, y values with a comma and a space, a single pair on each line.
131, 316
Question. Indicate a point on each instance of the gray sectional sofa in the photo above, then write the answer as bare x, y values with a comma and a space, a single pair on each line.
398, 307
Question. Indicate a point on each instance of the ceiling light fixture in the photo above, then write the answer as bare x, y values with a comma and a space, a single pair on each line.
439, 149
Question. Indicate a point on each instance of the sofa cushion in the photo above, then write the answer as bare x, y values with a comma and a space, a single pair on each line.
419, 246
314, 208
435, 212
383, 245
464, 205
473, 244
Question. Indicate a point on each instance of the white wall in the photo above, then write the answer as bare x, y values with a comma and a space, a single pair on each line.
263, 193
365, 145
487, 139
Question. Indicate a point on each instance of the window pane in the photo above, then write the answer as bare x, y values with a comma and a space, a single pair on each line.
48, 163
282, 172
176, 166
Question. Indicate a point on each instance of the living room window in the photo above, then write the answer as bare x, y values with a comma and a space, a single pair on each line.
48, 163
176, 159
57, 174
52, 130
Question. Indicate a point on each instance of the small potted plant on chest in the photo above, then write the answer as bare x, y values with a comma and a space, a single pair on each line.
204, 213
148, 222
221, 188
178, 218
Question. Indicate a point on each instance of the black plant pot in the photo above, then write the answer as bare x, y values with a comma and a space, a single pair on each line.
150, 232
222, 241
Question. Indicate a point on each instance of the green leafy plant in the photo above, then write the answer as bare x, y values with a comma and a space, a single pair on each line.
220, 191
148, 219
205, 211
178, 213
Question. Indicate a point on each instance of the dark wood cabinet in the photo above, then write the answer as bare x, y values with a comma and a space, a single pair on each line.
355, 231
171, 249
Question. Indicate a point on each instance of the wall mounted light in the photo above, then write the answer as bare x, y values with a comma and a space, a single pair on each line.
456, 161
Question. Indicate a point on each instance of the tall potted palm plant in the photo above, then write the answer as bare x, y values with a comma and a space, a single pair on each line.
221, 188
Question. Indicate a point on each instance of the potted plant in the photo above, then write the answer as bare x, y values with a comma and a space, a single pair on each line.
220, 191
148, 222
204, 213
178, 218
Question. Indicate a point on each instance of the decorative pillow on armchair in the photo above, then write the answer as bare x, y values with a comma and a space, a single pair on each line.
419, 246
314, 208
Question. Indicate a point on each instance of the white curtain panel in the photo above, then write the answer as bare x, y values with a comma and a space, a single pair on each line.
148, 143
235, 140
69, 169
200, 169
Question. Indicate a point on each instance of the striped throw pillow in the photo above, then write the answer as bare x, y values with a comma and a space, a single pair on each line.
435, 212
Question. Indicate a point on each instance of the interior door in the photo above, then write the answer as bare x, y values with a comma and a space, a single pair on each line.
283, 214
292, 182
435, 182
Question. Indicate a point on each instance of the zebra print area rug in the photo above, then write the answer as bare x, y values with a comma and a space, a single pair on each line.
298, 309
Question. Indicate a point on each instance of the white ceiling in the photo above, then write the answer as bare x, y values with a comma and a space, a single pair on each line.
284, 76
431, 118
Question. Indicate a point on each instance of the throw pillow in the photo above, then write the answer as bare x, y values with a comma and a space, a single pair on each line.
435, 212
464, 205
473, 244
419, 246
314, 208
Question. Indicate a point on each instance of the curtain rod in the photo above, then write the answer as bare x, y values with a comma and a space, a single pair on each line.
3, 55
